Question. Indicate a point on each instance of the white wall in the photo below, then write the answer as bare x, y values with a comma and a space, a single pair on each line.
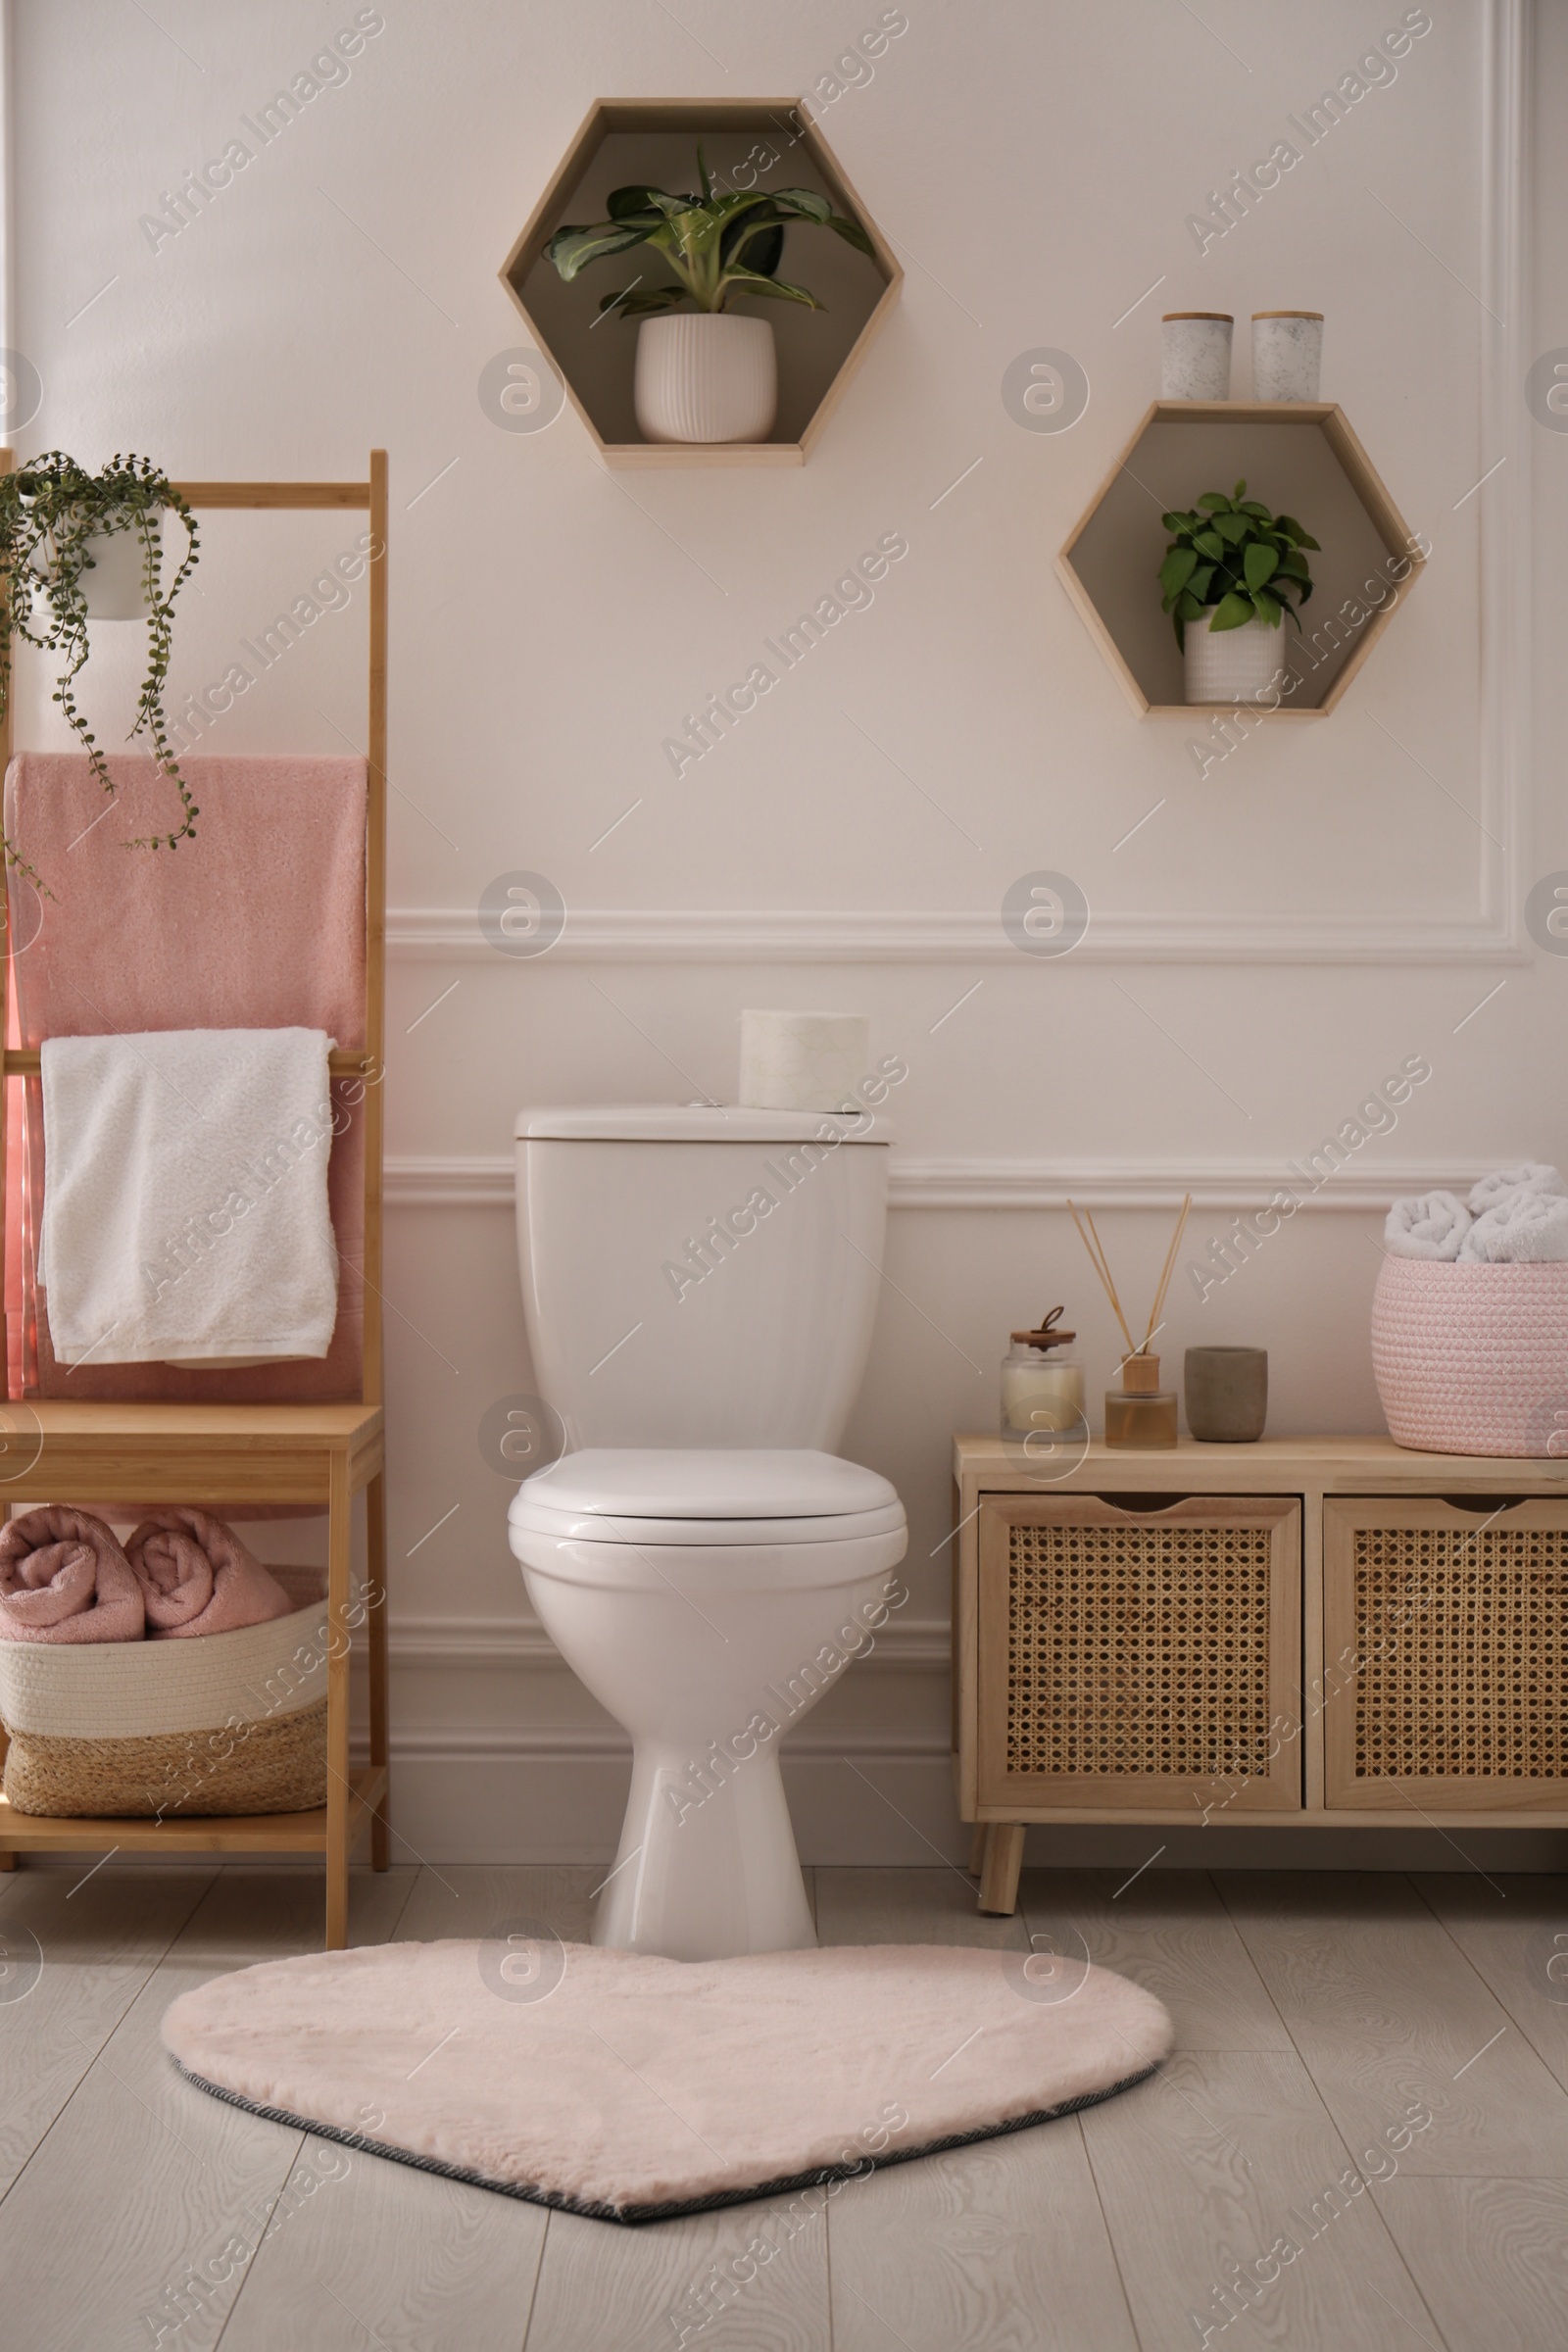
1264, 948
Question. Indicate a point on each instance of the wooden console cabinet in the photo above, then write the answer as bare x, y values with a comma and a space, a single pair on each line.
1316, 1631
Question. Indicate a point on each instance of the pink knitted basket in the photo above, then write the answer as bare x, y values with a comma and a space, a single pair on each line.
1473, 1359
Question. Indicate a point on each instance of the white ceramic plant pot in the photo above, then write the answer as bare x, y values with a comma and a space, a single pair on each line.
706, 376
1232, 665
113, 588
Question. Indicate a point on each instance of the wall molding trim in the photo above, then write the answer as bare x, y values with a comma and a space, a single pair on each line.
585, 1743
945, 935
903, 1643
510, 1644
484, 1180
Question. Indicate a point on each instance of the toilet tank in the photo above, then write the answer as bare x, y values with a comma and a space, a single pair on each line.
699, 1277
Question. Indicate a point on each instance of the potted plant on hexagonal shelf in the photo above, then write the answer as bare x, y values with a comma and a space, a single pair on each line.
1228, 579
709, 374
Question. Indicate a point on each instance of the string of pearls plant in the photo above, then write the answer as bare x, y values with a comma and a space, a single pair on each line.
52, 511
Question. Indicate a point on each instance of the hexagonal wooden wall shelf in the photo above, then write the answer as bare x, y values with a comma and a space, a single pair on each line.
627, 142
1301, 458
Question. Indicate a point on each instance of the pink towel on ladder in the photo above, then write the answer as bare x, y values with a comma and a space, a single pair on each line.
258, 923
198, 1578
63, 1578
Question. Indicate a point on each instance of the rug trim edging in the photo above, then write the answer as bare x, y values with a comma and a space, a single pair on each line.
637, 2216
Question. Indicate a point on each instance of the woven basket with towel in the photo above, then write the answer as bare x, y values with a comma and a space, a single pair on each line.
175, 1676
1470, 1318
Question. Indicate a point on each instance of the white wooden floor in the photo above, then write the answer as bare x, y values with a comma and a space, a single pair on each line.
1316, 2016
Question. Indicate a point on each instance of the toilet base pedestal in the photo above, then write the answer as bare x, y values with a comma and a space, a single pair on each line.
707, 1866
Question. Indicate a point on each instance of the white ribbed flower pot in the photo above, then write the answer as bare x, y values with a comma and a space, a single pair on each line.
706, 376
1232, 665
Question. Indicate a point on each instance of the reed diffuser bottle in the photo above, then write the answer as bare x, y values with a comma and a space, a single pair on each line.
1140, 1415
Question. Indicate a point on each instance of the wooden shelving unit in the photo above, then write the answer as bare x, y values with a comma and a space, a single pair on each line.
217, 1834
218, 1454
650, 140
313, 1455
1319, 1633
1301, 458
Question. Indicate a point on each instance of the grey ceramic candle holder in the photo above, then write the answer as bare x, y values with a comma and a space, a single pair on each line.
1226, 1394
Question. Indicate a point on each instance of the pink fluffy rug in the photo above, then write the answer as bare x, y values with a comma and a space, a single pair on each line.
633, 2089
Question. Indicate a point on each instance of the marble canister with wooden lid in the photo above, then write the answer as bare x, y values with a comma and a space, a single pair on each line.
1195, 355
1286, 354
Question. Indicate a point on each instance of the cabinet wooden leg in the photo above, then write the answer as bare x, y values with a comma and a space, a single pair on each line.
375, 1597
338, 1639
977, 1849
1002, 1861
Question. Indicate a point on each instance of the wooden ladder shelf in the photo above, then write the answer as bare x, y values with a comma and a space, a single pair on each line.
315, 1455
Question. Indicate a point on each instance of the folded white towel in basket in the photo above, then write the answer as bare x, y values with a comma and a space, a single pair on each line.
1530, 1176
1429, 1225
185, 1215
1526, 1228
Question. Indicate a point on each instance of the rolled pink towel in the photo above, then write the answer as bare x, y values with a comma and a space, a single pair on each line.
63, 1578
197, 1577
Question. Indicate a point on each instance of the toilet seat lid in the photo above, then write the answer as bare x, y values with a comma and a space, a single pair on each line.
756, 1494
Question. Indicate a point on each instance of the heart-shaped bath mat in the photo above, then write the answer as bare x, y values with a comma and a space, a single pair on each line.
632, 2089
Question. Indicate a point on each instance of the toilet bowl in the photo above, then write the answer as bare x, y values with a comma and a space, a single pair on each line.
700, 1286
708, 1636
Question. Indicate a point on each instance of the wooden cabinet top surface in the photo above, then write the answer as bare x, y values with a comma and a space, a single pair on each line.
983, 1465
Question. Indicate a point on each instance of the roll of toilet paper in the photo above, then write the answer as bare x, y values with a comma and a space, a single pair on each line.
804, 1060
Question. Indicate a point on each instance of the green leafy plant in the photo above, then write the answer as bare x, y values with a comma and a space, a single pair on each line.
717, 246
1231, 558
50, 512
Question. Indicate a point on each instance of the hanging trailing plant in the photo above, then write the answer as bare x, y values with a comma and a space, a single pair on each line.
52, 511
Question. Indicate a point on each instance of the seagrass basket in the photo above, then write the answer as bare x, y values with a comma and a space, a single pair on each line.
217, 1724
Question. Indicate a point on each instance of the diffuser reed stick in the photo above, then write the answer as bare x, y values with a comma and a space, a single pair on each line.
1158, 1307
1096, 1248
1139, 1414
1102, 1266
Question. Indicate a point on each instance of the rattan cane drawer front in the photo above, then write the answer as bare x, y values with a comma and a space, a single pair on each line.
1140, 1660
1445, 1653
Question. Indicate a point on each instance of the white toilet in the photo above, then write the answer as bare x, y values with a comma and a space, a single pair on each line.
700, 1286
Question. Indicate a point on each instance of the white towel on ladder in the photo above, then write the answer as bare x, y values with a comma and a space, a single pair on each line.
185, 1216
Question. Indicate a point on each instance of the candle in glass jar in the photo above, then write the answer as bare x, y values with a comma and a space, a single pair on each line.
1041, 1385
1037, 1393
